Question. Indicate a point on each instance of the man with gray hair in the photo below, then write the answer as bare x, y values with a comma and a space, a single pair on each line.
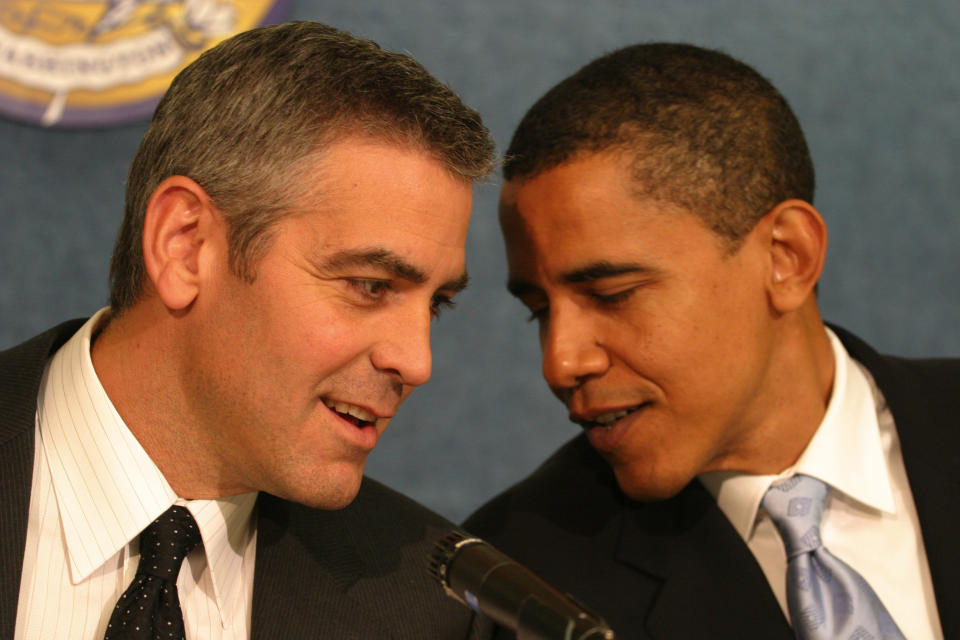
295, 219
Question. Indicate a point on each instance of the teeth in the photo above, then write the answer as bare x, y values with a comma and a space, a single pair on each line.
613, 416
349, 409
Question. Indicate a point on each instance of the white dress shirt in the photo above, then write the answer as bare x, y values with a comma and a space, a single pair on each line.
870, 521
94, 490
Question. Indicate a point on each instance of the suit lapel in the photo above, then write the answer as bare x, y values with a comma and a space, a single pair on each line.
16, 465
922, 396
356, 572
302, 569
935, 489
711, 584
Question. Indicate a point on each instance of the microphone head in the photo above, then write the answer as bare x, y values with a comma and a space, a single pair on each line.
443, 551
481, 577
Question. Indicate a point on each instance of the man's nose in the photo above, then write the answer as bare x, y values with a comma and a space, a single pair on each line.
572, 348
404, 347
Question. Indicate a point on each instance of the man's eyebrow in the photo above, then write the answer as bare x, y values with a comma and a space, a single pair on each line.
603, 269
390, 262
520, 288
379, 258
588, 273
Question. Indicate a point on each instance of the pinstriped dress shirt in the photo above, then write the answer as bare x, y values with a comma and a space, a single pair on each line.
94, 489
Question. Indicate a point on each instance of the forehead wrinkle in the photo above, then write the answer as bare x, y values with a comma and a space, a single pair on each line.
376, 257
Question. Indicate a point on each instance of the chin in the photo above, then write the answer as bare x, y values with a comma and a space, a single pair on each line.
328, 491
649, 487
328, 502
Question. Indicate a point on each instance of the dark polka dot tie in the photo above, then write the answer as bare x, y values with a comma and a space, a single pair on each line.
150, 607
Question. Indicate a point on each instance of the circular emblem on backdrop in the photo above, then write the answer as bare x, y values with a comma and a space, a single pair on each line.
80, 63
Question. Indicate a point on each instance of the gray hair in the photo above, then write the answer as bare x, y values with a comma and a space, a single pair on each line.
240, 117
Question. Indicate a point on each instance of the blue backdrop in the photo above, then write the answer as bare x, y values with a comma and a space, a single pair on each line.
875, 85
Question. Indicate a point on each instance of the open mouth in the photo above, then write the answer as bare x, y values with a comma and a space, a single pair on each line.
357, 416
610, 418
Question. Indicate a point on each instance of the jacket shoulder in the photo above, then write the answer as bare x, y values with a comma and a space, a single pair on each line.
21, 368
937, 375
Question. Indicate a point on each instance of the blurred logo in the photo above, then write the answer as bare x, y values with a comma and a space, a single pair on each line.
79, 63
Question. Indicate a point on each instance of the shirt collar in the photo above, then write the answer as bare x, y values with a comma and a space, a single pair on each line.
846, 452
108, 489
225, 526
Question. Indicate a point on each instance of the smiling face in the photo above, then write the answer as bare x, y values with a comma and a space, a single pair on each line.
296, 375
655, 337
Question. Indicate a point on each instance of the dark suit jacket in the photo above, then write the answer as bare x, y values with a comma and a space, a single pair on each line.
677, 569
359, 572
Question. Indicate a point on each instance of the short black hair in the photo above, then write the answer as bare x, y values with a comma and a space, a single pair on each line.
705, 132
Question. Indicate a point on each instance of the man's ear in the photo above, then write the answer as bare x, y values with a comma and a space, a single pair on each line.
179, 220
798, 247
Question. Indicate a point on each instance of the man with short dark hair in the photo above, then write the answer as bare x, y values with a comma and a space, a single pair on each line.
296, 218
745, 471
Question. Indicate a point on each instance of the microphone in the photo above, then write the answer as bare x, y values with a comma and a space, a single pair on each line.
483, 578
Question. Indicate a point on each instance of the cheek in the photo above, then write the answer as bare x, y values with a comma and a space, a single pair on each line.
683, 349
314, 336
662, 335
706, 323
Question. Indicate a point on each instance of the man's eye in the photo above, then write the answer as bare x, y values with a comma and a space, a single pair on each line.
439, 303
373, 289
611, 299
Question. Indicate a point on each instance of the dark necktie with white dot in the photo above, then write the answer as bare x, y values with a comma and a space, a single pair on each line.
150, 607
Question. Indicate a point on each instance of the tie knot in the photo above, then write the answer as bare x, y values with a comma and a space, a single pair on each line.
165, 543
795, 505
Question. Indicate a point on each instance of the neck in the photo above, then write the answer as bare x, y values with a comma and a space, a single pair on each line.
136, 358
792, 399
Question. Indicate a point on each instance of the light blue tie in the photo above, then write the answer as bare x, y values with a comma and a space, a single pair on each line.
826, 598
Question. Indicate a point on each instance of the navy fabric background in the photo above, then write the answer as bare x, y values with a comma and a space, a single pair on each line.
875, 86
